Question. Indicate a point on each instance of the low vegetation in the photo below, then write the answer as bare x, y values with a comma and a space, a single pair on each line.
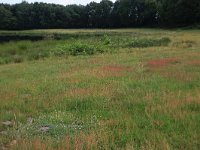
63, 45
148, 42
123, 89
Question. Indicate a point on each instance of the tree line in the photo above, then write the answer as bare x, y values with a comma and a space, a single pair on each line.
106, 14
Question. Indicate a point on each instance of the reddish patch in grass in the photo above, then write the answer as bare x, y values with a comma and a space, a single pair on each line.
8, 95
25, 144
79, 142
195, 62
108, 71
113, 71
163, 62
99, 72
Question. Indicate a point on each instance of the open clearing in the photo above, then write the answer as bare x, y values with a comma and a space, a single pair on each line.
101, 89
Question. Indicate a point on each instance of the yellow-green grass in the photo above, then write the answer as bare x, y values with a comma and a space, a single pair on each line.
83, 30
134, 98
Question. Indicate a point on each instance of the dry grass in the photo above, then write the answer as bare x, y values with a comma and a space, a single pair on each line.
173, 106
79, 142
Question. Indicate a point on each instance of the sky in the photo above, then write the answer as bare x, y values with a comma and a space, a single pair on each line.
62, 2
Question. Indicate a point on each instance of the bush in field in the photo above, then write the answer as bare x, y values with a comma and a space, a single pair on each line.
148, 42
77, 49
81, 49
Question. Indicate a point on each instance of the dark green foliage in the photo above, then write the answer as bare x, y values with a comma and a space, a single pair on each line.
6, 18
136, 12
106, 14
77, 49
174, 13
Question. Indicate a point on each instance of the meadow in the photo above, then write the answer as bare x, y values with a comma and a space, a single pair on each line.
100, 89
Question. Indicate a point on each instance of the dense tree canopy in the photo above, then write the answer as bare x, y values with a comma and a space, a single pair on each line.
179, 12
106, 14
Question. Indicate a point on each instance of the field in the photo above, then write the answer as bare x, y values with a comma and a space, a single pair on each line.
100, 89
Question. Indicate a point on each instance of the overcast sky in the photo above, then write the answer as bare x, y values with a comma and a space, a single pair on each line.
63, 2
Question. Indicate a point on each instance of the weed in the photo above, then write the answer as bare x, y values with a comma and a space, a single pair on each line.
106, 40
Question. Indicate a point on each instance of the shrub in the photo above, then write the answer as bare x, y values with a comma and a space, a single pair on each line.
81, 49
77, 49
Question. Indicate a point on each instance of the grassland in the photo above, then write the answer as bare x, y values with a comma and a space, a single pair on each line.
101, 89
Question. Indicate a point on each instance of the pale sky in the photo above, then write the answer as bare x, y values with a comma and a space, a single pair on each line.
62, 2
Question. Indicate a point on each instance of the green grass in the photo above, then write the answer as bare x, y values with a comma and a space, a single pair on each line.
143, 95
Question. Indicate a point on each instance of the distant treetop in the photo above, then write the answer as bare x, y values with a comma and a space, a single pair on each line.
106, 14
